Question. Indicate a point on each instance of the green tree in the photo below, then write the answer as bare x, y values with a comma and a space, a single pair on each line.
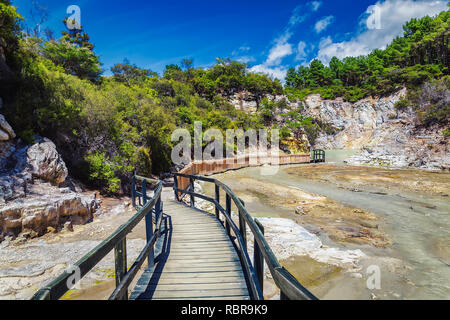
77, 61
77, 37
336, 66
130, 74
9, 38
174, 72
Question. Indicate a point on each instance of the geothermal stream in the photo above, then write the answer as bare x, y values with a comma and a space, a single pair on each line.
414, 223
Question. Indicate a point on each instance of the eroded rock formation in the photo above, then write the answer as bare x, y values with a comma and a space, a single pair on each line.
46, 209
356, 122
32, 201
45, 162
387, 136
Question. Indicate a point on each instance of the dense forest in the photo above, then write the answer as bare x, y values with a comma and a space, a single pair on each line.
421, 54
106, 126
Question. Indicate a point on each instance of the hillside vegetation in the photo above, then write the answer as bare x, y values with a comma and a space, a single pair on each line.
420, 55
106, 126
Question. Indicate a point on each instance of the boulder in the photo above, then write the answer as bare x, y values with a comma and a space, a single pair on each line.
30, 208
300, 210
46, 163
6, 131
19, 163
46, 207
3, 136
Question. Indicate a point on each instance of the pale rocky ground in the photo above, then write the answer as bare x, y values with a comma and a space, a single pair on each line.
27, 265
42, 210
377, 180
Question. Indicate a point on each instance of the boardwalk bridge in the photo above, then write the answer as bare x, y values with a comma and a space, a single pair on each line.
190, 254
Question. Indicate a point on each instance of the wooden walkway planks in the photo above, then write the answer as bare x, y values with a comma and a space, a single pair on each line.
195, 260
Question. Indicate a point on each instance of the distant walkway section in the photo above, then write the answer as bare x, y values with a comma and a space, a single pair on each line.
210, 167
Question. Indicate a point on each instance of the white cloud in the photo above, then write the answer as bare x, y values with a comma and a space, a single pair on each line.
272, 66
389, 15
315, 5
278, 72
301, 51
277, 53
297, 16
322, 24
240, 50
282, 48
241, 54
246, 59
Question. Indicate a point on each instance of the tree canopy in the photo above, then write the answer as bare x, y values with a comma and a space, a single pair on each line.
420, 54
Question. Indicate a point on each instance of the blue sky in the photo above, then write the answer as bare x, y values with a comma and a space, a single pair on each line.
270, 36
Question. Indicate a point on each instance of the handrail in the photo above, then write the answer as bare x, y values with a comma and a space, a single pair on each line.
289, 286
117, 241
318, 156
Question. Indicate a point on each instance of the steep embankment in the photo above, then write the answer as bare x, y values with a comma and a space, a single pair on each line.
387, 136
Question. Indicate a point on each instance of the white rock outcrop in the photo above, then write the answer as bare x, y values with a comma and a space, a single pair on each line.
357, 122
45, 206
45, 162
387, 137
30, 199
6, 131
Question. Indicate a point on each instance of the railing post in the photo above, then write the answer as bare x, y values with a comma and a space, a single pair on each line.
218, 201
175, 184
258, 258
228, 210
149, 234
192, 188
133, 190
144, 192
242, 225
120, 257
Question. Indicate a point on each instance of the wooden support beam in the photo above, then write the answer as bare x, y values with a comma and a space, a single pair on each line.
192, 187
228, 211
258, 258
120, 257
243, 226
218, 201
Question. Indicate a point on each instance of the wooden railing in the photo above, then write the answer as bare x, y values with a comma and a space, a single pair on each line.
151, 210
205, 168
318, 156
289, 287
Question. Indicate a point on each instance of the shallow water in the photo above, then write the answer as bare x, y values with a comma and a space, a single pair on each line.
418, 223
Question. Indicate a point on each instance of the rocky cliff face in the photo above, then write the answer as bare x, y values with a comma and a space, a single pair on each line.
386, 136
34, 198
357, 123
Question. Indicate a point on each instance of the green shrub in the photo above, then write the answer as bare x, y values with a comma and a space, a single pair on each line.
401, 104
446, 133
102, 173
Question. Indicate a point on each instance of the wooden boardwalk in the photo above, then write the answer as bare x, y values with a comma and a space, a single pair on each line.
195, 259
